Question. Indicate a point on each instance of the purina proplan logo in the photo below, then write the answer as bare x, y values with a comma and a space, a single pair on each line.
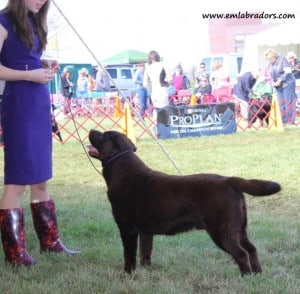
196, 120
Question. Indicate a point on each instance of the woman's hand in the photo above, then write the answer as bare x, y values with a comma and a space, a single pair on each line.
41, 75
50, 64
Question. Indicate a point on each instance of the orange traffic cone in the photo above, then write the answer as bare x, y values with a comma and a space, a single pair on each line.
118, 107
127, 124
275, 120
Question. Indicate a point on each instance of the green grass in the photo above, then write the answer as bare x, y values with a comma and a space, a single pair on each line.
186, 263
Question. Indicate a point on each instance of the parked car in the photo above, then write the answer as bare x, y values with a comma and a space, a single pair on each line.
231, 63
122, 76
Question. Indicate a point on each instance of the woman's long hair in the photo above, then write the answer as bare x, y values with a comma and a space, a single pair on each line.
18, 16
153, 56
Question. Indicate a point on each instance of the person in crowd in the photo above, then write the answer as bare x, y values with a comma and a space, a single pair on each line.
294, 64
102, 80
219, 77
260, 100
284, 83
243, 88
67, 89
262, 87
202, 74
142, 92
26, 126
203, 89
82, 92
157, 79
267, 74
179, 80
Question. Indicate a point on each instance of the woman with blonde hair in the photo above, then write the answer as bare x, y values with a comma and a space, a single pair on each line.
284, 83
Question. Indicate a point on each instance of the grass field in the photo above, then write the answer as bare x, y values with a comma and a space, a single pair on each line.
186, 263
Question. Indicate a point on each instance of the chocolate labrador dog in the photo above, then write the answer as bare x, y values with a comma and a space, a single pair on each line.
146, 202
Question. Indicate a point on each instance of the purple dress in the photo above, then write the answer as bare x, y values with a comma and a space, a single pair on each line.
25, 116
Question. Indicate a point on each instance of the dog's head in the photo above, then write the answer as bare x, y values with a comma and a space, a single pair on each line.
107, 145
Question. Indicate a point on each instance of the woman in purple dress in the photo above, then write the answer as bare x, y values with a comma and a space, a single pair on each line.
26, 126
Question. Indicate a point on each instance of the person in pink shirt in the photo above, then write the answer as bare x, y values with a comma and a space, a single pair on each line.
180, 80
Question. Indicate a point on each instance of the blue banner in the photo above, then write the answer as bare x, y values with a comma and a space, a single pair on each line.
198, 120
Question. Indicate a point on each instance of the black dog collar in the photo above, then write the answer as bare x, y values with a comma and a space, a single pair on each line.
111, 159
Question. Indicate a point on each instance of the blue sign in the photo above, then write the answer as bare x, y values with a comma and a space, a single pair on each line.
199, 120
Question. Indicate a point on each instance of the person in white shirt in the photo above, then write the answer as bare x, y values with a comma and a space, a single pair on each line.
157, 79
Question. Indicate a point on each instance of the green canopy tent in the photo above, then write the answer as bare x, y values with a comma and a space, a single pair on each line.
127, 57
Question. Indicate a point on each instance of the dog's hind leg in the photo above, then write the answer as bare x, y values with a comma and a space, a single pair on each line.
129, 239
251, 249
231, 245
247, 245
146, 245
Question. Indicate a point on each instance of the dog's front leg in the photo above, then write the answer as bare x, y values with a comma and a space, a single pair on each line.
146, 244
129, 239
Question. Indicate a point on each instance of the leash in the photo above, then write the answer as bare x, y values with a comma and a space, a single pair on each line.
77, 130
119, 90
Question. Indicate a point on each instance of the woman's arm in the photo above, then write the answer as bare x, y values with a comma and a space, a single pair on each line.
37, 75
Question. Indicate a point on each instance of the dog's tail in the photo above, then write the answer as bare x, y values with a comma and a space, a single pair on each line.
255, 187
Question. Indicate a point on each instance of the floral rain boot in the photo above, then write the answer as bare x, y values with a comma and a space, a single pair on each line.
45, 224
13, 237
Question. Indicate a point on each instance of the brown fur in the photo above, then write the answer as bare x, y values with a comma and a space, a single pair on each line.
147, 203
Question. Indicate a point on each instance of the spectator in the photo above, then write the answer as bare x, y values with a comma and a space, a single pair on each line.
26, 128
203, 89
260, 101
294, 63
141, 90
102, 80
67, 89
267, 74
284, 83
202, 74
243, 88
262, 87
82, 92
180, 80
219, 77
157, 78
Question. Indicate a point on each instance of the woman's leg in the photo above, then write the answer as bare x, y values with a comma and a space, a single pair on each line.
13, 227
45, 221
142, 93
289, 94
244, 109
11, 196
39, 192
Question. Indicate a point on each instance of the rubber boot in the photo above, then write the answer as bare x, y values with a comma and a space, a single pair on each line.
45, 224
13, 237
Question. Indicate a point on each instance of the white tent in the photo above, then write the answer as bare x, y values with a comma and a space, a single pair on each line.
282, 38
